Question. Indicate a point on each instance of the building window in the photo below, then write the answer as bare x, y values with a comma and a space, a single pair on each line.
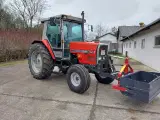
135, 44
126, 45
143, 43
130, 45
157, 40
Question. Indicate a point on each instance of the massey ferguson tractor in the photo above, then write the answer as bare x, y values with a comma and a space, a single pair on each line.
63, 45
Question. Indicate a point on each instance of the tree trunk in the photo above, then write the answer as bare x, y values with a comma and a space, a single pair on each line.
31, 21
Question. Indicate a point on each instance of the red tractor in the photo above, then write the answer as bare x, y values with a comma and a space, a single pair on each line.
63, 45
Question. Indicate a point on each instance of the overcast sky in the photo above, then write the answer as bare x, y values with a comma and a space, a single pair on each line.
108, 12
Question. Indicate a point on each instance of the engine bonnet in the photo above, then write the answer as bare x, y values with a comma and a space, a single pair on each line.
90, 46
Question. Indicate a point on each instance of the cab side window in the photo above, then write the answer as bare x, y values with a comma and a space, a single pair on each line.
53, 35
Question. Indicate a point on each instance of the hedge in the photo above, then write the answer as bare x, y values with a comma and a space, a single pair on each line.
9, 55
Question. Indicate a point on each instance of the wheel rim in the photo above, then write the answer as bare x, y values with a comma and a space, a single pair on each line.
75, 79
36, 62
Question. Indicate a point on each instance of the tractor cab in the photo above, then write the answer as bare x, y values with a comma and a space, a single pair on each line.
63, 46
60, 31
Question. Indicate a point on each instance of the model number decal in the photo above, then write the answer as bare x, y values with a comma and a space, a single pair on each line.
82, 51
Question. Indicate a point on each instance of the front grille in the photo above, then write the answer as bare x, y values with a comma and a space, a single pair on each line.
102, 58
101, 50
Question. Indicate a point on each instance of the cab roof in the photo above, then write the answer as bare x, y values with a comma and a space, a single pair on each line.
64, 17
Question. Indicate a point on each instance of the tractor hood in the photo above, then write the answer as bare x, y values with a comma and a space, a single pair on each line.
85, 52
79, 47
88, 52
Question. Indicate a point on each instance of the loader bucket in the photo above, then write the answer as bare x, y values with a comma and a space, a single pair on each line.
141, 85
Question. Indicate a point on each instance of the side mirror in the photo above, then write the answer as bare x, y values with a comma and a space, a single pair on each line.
91, 28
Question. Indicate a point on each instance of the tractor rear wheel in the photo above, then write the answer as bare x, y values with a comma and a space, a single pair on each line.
40, 61
106, 80
78, 78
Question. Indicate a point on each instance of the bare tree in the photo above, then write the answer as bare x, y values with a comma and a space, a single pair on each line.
1, 8
114, 30
28, 10
1, 3
85, 34
1, 11
6, 19
100, 30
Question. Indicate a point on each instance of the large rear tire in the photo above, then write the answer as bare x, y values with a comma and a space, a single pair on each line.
78, 78
40, 61
106, 80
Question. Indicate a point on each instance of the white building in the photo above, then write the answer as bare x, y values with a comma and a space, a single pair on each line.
144, 45
109, 39
123, 32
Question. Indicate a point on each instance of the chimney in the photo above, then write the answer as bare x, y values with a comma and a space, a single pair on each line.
141, 24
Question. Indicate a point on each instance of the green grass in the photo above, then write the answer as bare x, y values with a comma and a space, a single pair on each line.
12, 63
117, 55
120, 56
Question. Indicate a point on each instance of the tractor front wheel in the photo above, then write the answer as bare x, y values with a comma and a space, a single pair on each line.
78, 78
40, 61
106, 80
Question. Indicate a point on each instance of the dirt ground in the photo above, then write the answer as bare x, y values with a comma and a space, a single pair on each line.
24, 98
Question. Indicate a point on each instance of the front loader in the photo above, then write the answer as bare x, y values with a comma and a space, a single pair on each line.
63, 45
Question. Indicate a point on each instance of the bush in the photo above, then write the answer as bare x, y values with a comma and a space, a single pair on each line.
13, 55
14, 43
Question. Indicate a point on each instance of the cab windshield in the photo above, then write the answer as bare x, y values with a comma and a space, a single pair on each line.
72, 31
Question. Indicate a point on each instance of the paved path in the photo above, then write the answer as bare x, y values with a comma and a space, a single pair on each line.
24, 98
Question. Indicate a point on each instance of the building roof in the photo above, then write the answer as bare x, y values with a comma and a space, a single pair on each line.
125, 31
107, 34
144, 28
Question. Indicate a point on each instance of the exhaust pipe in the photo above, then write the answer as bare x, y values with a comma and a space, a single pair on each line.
82, 25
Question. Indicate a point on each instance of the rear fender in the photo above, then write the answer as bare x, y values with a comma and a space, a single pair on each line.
47, 45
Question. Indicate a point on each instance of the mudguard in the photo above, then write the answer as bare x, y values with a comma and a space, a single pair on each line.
47, 45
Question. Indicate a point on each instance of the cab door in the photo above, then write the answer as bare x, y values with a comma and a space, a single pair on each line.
54, 36
72, 32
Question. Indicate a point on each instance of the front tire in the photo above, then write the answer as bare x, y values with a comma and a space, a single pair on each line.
78, 78
40, 61
106, 80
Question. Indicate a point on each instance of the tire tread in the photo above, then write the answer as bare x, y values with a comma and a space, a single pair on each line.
85, 75
46, 58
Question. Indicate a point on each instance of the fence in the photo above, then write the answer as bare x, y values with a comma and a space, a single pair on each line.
14, 43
